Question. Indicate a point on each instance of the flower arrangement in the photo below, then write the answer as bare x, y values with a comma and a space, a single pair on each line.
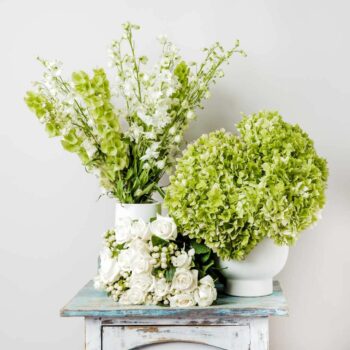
231, 191
148, 263
158, 105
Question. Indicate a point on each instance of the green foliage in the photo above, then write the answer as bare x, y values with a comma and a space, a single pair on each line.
200, 248
232, 191
169, 274
157, 241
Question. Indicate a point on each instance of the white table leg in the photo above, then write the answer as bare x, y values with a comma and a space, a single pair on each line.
93, 336
259, 333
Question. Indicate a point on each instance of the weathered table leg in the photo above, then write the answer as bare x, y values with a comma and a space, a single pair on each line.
259, 333
93, 334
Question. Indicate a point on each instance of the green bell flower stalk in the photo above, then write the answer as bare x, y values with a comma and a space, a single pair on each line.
158, 105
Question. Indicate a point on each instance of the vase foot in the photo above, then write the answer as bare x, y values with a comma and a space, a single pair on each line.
249, 288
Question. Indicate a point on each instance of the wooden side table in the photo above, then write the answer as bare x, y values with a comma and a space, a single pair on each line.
233, 323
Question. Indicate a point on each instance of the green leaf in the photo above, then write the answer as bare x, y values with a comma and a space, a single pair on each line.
200, 248
120, 186
129, 174
205, 257
143, 178
145, 191
158, 241
169, 273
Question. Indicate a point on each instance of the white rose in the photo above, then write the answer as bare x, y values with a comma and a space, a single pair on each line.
138, 246
161, 287
133, 296
139, 229
185, 280
205, 294
143, 281
183, 260
207, 280
164, 227
123, 230
182, 300
109, 268
124, 259
141, 263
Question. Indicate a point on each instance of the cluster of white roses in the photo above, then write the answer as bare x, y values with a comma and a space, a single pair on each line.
141, 263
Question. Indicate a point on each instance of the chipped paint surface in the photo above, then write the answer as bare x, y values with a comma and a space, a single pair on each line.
245, 334
219, 337
90, 302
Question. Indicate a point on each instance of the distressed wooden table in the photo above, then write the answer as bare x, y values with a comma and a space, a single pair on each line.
233, 323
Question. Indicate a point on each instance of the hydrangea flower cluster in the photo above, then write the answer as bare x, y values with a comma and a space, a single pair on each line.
142, 263
158, 104
232, 191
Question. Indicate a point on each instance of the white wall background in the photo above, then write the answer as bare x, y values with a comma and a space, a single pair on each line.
50, 220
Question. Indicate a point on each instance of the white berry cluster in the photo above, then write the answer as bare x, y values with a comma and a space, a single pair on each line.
142, 263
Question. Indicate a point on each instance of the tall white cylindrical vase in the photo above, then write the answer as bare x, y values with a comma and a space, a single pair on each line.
145, 211
253, 276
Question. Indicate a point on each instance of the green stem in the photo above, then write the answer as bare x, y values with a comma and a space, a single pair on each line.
136, 65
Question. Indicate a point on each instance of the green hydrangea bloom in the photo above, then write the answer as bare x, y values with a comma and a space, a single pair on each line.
232, 191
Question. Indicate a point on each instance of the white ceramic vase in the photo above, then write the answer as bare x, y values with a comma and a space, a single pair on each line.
253, 276
138, 211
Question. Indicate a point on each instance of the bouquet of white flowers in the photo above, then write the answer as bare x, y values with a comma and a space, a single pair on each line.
158, 104
146, 263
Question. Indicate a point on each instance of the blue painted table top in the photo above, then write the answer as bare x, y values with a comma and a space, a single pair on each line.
90, 302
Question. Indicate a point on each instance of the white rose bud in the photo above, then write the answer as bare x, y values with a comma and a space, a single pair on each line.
164, 227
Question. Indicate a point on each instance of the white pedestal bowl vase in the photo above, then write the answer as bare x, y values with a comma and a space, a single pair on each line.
253, 276
138, 211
